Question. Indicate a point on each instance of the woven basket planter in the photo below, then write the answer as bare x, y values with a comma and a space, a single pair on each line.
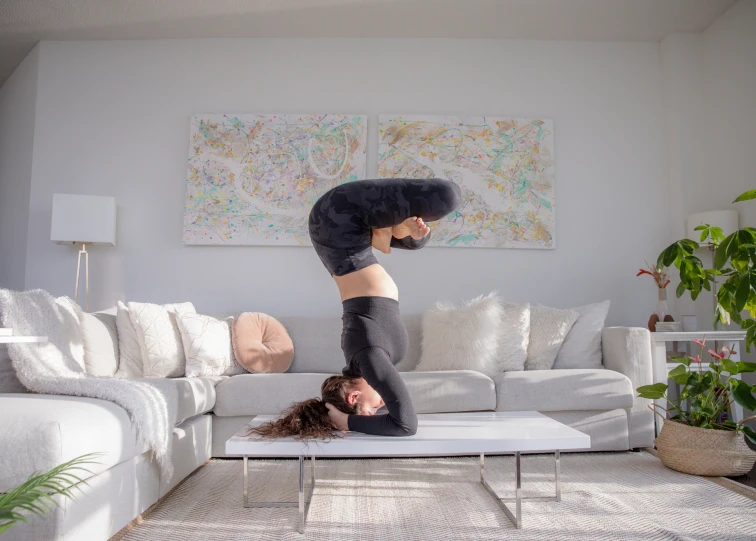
703, 451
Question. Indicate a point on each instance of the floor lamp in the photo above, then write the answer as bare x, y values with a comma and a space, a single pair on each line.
83, 219
727, 220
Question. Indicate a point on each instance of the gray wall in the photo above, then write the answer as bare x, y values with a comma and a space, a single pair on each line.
18, 100
113, 119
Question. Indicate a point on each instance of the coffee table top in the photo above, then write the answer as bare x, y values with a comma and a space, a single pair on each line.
438, 434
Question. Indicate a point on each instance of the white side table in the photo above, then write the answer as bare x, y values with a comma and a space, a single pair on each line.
661, 366
22, 339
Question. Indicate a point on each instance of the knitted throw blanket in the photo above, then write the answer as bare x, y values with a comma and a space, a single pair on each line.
57, 367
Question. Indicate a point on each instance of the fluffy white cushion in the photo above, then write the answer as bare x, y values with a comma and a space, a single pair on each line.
582, 347
129, 352
100, 338
514, 335
207, 345
159, 337
462, 338
548, 329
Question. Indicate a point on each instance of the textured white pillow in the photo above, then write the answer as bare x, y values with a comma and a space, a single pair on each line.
462, 338
514, 336
159, 337
548, 329
207, 345
100, 339
582, 347
129, 352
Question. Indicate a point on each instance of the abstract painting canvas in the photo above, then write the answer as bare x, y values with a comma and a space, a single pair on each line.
505, 167
252, 179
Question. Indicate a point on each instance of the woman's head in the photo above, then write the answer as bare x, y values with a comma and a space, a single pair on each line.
309, 419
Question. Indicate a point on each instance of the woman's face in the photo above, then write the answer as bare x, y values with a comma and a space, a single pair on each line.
367, 397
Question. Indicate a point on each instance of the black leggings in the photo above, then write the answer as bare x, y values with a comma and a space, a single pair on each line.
341, 222
374, 338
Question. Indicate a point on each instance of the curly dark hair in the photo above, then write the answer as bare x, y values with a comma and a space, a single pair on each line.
309, 419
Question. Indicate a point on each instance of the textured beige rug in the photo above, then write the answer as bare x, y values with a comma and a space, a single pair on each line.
605, 496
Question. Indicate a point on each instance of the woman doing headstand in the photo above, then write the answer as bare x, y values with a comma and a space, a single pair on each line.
345, 224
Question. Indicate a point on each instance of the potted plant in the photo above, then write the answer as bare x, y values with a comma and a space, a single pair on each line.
35, 496
698, 438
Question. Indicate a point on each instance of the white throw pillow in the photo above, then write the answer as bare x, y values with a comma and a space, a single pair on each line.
462, 338
100, 339
548, 329
129, 352
582, 347
207, 345
513, 337
159, 337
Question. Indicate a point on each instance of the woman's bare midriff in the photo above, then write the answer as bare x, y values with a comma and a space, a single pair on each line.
371, 281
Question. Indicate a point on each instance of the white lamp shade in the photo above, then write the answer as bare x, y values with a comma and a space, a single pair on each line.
726, 219
83, 218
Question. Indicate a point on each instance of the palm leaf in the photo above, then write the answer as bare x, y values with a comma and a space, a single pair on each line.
35, 495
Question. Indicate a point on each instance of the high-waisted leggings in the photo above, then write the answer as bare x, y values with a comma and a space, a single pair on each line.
374, 338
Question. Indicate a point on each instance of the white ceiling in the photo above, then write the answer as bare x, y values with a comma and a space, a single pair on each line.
25, 22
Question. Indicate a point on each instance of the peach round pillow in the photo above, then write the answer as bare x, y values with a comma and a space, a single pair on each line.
261, 343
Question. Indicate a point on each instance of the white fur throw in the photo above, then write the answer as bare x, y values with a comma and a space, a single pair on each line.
55, 367
462, 338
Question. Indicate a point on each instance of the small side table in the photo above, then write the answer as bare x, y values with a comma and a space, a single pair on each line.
661, 365
22, 339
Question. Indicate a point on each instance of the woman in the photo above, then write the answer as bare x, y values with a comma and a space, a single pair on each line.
345, 224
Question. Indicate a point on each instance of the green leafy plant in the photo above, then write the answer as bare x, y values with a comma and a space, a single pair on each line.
734, 258
35, 496
709, 393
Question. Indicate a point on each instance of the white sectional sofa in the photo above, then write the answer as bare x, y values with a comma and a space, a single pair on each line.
41, 431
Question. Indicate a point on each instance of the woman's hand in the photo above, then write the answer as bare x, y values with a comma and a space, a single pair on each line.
339, 419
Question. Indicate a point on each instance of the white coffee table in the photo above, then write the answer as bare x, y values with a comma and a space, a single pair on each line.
442, 434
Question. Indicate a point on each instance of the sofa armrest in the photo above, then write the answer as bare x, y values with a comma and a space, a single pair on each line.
627, 350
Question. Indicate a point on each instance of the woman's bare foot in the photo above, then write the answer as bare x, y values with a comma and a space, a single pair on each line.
414, 227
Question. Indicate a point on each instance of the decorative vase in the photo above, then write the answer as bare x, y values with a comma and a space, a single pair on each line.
661, 306
703, 451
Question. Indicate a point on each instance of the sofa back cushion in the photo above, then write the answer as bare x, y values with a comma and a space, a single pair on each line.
582, 346
9, 382
317, 343
100, 339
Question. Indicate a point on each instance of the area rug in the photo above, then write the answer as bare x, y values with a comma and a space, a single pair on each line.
605, 496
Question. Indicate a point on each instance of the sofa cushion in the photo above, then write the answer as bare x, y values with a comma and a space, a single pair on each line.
9, 382
563, 390
100, 338
43, 431
195, 395
582, 346
264, 394
432, 392
317, 343
450, 391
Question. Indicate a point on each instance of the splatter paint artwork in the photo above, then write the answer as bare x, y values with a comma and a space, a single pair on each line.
252, 179
505, 167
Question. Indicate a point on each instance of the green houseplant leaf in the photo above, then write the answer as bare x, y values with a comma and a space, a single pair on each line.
35, 495
653, 392
742, 394
746, 196
679, 374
